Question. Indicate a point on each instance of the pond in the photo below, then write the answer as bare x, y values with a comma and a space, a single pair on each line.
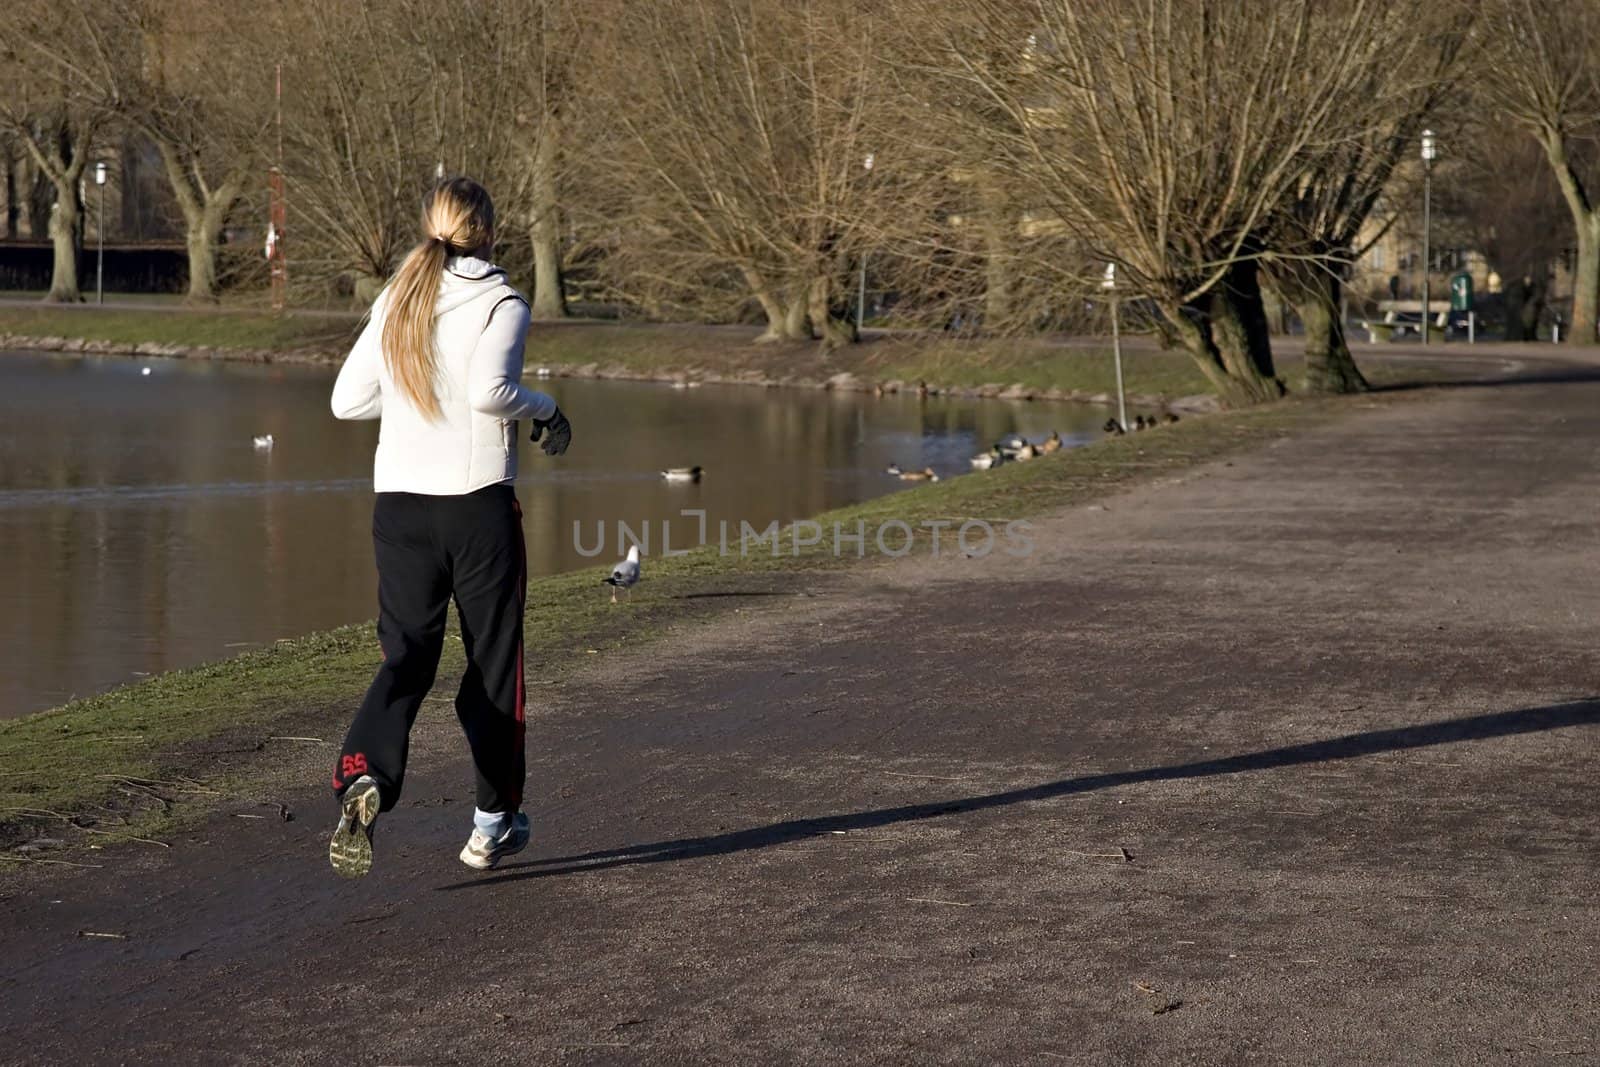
141, 529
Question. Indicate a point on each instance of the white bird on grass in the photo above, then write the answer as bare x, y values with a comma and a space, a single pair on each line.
263, 442
624, 575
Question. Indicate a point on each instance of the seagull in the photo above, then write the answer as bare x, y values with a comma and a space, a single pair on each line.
682, 474
145, 371
542, 372
624, 575
263, 442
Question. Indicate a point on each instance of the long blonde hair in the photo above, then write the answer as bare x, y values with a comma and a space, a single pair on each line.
457, 218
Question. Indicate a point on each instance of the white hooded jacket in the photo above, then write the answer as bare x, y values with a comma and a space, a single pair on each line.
479, 332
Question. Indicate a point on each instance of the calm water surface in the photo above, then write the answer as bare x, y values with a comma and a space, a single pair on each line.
140, 529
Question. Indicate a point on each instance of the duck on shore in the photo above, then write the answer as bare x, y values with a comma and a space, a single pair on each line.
986, 460
1050, 444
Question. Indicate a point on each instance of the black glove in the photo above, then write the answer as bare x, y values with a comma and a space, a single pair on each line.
559, 437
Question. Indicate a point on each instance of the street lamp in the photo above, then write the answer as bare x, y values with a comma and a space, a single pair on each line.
100, 237
861, 286
1109, 284
1430, 152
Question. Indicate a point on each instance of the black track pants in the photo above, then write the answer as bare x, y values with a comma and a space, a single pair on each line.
429, 549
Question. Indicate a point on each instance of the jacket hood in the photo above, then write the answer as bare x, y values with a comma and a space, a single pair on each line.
465, 279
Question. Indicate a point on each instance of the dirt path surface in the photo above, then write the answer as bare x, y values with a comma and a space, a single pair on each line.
1290, 760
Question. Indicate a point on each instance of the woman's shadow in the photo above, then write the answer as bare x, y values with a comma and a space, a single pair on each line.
1584, 712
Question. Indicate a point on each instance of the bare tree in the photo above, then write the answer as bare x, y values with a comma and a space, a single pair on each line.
209, 140
1546, 77
1140, 126
743, 147
1508, 205
1392, 92
55, 64
357, 148
547, 43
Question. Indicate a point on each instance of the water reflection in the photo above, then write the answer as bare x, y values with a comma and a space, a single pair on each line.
140, 529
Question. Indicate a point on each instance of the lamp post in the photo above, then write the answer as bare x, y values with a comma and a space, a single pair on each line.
1109, 284
1430, 152
861, 283
100, 237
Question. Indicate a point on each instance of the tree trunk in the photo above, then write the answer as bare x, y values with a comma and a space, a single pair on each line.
201, 238
1314, 290
12, 187
998, 240
549, 292
797, 316
1586, 282
1227, 337
64, 236
833, 331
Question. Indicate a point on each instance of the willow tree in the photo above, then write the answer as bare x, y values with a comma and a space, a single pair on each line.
55, 63
209, 139
1393, 91
739, 137
1544, 75
1138, 126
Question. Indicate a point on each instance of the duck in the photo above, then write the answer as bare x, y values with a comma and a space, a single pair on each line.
926, 474
1169, 418
682, 474
985, 460
1142, 423
1010, 443
1050, 444
1114, 428
263, 442
1026, 452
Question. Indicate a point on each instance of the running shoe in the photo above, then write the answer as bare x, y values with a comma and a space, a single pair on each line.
483, 852
350, 851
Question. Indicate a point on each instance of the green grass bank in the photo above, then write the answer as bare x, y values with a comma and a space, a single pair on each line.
632, 350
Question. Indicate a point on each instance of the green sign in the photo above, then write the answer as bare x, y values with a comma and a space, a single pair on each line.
1461, 292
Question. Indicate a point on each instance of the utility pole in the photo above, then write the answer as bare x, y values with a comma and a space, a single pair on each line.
1109, 284
100, 237
277, 215
1430, 151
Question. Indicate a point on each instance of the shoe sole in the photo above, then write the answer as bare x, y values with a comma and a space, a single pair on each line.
489, 862
350, 851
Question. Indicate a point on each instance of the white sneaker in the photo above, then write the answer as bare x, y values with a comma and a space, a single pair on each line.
483, 852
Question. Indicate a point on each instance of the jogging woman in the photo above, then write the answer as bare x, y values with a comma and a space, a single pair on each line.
440, 363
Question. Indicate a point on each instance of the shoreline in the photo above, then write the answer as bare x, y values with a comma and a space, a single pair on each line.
687, 375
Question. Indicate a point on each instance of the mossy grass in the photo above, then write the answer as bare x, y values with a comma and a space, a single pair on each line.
101, 758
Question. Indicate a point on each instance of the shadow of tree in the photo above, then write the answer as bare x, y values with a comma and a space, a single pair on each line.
1351, 746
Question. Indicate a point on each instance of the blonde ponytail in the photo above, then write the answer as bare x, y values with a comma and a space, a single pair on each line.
457, 219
